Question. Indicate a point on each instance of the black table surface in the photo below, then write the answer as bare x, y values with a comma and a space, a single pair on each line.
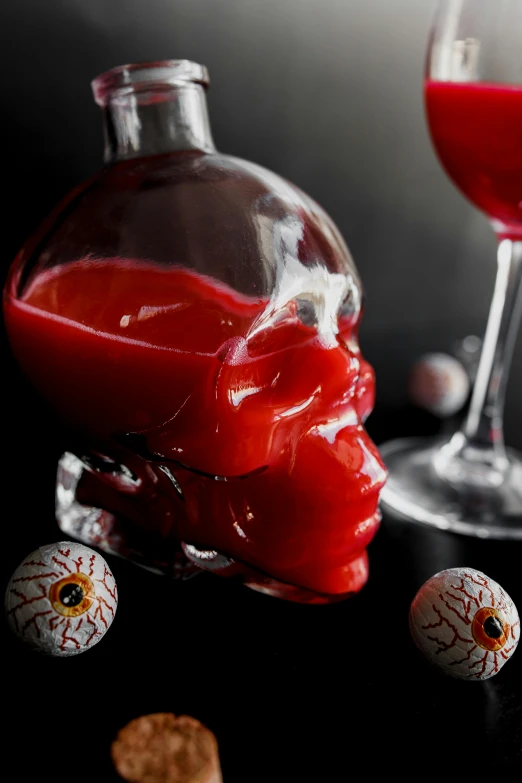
292, 692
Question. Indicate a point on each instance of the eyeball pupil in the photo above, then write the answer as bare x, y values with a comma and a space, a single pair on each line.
493, 627
71, 595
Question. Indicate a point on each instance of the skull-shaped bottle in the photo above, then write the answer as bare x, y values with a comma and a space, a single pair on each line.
193, 318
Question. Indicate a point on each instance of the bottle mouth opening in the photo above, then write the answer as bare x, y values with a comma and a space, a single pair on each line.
149, 76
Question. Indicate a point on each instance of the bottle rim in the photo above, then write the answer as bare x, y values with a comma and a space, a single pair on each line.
133, 77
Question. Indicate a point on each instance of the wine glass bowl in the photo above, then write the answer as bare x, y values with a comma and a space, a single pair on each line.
471, 483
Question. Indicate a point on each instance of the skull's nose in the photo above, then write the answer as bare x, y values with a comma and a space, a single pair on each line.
338, 370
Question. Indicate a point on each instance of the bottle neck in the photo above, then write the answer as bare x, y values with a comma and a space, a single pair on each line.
156, 121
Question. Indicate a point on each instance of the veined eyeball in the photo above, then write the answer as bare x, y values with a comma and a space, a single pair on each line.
439, 384
61, 599
464, 623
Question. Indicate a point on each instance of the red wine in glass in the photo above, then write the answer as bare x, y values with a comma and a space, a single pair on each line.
476, 129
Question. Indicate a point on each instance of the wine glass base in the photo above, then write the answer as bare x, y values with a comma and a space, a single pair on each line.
415, 492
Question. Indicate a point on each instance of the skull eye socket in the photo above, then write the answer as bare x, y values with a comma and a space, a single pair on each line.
73, 595
350, 308
306, 311
489, 629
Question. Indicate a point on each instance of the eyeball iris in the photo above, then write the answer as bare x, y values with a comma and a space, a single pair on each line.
489, 629
73, 595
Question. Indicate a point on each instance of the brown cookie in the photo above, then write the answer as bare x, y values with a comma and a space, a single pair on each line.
163, 748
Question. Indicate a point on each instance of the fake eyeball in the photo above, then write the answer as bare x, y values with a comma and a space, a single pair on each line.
61, 599
439, 384
464, 623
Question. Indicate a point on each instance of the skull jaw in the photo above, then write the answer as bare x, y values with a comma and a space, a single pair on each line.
355, 572
305, 522
299, 534
325, 577
117, 535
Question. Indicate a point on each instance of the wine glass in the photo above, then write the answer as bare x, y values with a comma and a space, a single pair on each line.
471, 483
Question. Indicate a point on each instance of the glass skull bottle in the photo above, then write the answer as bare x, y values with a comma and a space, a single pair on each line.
193, 319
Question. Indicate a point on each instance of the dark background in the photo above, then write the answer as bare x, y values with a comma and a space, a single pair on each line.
329, 95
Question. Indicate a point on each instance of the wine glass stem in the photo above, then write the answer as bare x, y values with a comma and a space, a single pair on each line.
484, 423
476, 454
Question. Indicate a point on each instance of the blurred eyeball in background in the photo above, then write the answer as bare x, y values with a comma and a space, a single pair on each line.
439, 383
